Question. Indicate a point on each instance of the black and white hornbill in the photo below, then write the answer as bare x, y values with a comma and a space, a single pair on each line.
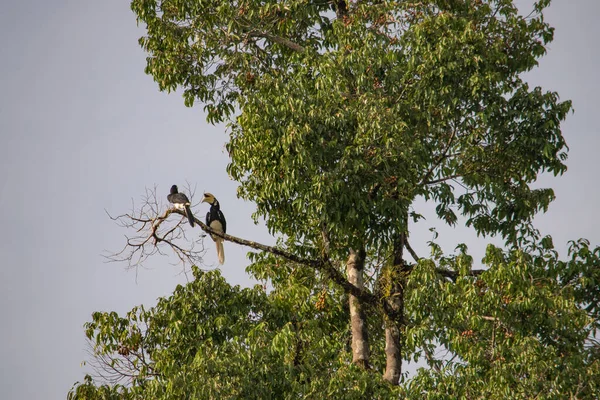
216, 220
181, 202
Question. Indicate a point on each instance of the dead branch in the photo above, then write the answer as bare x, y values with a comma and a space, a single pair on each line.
154, 234
122, 366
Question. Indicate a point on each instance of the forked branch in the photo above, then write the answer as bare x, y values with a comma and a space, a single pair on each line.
153, 235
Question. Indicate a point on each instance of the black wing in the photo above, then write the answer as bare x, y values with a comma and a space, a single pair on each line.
221, 218
178, 198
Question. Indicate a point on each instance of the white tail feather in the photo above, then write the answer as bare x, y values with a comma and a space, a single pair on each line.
220, 251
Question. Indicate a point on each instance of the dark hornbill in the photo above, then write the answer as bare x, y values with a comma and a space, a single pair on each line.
181, 202
216, 220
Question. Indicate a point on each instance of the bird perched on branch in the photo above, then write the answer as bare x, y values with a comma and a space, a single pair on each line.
216, 220
181, 202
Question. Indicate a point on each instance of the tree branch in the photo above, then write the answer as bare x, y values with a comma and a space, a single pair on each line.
410, 250
452, 275
277, 39
151, 236
441, 158
447, 178
323, 265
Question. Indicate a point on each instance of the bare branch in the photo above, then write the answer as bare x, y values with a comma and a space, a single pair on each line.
153, 234
126, 363
121, 367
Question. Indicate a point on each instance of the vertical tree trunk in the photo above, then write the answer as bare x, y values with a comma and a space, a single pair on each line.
358, 323
394, 304
393, 354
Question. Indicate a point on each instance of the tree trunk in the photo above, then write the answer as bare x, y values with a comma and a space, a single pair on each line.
394, 304
358, 323
393, 355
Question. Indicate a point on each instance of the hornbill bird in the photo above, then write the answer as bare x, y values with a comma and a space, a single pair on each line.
181, 202
216, 220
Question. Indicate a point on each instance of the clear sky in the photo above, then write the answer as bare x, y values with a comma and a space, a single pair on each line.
83, 129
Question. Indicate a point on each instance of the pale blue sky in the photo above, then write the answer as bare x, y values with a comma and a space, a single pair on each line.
82, 128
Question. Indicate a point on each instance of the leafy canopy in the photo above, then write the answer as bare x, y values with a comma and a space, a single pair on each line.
342, 113
524, 327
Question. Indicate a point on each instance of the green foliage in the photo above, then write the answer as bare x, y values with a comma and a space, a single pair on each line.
210, 340
341, 114
524, 327
339, 123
